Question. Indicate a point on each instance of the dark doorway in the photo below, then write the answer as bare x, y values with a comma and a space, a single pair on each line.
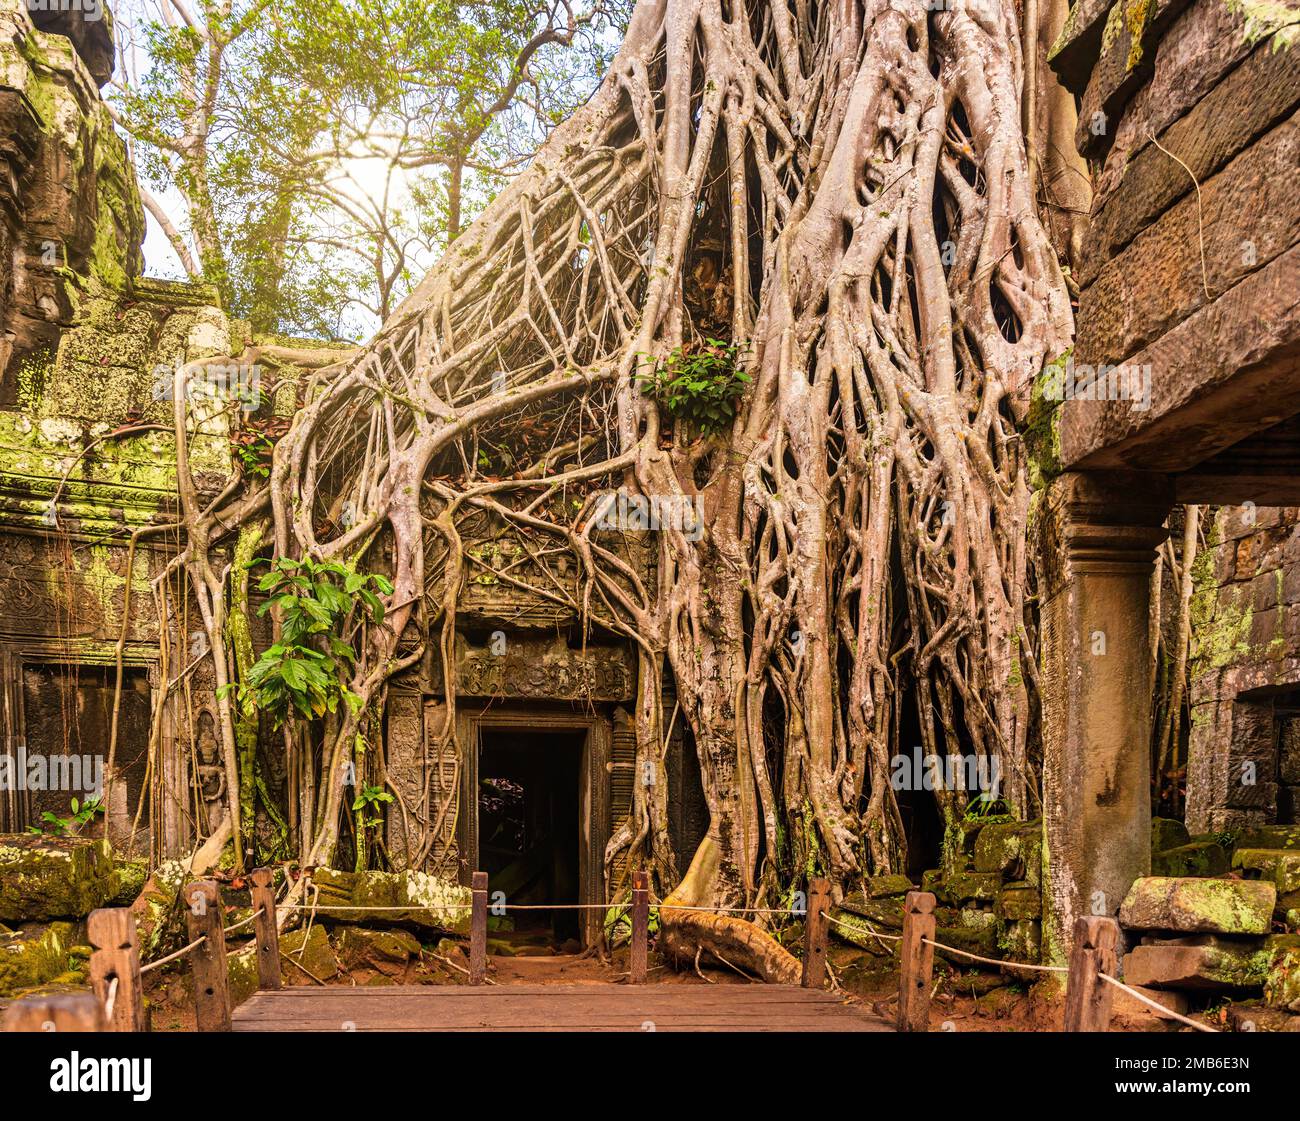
529, 828
67, 716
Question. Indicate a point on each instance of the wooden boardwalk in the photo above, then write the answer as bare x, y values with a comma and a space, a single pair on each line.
554, 1008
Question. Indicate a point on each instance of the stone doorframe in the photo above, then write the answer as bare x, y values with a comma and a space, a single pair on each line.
593, 779
17, 654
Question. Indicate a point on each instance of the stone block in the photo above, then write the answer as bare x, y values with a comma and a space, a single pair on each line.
421, 900
971, 887
879, 912
1019, 901
1125, 1005
385, 950
1167, 833
883, 887
1193, 905
1277, 866
1205, 963
1198, 858
1269, 837
54, 877
1014, 851
1021, 940
1282, 986
34, 954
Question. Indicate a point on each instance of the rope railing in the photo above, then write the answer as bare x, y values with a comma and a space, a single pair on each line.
116, 974
158, 963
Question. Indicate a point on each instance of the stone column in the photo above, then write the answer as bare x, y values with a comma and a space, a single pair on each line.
1098, 537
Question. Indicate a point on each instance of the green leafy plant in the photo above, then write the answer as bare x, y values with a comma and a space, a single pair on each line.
985, 805
366, 806
700, 383
83, 813
302, 674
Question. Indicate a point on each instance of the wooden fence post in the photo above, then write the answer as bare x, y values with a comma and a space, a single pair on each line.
265, 929
640, 927
916, 962
208, 959
478, 929
815, 930
1088, 997
116, 957
55, 1012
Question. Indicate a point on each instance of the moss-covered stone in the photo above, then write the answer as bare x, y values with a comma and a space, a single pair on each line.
1282, 985
312, 950
33, 955
1195, 905
45, 877
1021, 940
421, 900
970, 887
1019, 901
1200, 962
1198, 858
883, 887
879, 912
385, 950
1013, 850
1278, 866
850, 927
131, 875
1167, 833
1269, 837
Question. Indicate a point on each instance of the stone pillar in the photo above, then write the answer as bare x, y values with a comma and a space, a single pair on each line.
1098, 537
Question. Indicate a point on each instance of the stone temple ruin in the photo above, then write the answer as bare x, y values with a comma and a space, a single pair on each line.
1189, 275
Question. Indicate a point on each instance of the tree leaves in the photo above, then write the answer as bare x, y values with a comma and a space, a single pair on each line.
320, 604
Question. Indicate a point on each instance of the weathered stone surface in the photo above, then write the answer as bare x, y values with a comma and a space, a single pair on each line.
33, 955
385, 950
1021, 940
54, 877
1015, 851
1244, 215
311, 949
92, 38
1218, 906
1167, 833
1126, 1005
848, 926
969, 887
1123, 65
1261, 91
1270, 837
1019, 901
879, 912
1199, 858
1282, 986
1205, 962
421, 899
1076, 48
131, 875
1278, 866
883, 887
1194, 54
1216, 378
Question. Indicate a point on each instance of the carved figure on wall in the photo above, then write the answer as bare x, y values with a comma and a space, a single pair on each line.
211, 775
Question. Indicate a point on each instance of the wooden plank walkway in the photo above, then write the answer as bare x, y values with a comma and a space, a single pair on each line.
554, 1008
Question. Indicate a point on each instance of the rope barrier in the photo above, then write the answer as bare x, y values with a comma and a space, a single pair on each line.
244, 922
172, 957
870, 929
1157, 1006
995, 961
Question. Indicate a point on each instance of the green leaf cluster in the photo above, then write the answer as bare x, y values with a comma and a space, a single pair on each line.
320, 603
700, 383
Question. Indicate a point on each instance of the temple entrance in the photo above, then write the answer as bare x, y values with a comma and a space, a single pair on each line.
529, 828
535, 784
